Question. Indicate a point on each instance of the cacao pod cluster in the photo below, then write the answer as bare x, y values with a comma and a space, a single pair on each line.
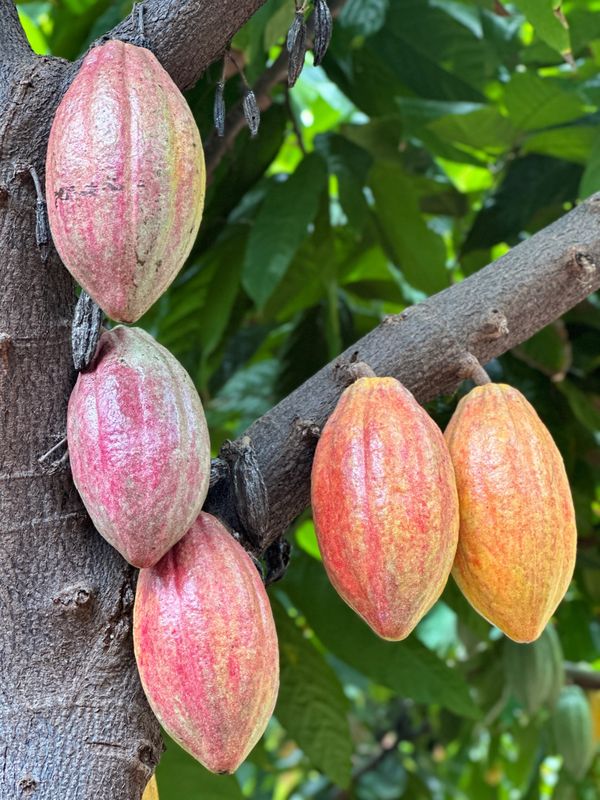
398, 507
125, 182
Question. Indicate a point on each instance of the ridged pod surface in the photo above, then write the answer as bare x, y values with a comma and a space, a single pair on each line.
206, 646
138, 445
535, 672
573, 731
125, 179
516, 550
151, 791
385, 505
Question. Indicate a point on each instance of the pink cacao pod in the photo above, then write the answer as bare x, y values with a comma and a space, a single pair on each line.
385, 505
138, 445
206, 646
125, 179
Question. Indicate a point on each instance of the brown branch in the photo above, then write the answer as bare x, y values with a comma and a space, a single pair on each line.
426, 348
586, 678
14, 47
187, 36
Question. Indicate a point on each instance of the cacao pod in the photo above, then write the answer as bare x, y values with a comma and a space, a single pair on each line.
594, 700
125, 179
206, 646
573, 731
138, 445
151, 791
517, 543
535, 672
385, 505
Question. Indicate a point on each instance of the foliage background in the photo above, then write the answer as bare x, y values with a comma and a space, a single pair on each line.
436, 136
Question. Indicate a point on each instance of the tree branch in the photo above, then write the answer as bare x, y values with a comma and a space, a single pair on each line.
430, 349
14, 47
586, 678
187, 36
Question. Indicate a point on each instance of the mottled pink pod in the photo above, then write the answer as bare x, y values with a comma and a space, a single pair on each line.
125, 179
206, 646
138, 445
385, 505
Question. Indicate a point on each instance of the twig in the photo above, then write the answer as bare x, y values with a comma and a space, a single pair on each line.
216, 147
586, 678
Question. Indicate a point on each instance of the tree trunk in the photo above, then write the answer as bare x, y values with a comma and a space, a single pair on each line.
74, 724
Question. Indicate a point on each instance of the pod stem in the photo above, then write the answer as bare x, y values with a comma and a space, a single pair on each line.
472, 369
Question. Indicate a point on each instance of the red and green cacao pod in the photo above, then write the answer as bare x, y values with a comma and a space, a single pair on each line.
206, 646
385, 505
535, 672
138, 445
573, 731
517, 543
125, 179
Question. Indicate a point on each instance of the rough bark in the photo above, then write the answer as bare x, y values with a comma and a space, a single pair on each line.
74, 724
430, 348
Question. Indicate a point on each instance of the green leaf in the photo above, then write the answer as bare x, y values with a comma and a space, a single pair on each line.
415, 248
572, 143
485, 128
364, 17
281, 225
180, 776
541, 14
533, 102
311, 705
590, 181
548, 350
584, 405
407, 667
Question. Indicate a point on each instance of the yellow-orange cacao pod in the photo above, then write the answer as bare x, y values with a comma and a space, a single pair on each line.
385, 505
517, 543
151, 791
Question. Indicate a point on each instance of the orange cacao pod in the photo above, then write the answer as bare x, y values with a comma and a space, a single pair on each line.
125, 179
206, 646
385, 505
138, 445
151, 790
516, 549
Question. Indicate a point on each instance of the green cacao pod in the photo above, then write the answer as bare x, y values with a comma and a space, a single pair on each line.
385, 506
573, 731
517, 544
535, 672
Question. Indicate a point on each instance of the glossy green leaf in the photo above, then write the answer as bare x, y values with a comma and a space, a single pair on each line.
407, 667
311, 703
417, 250
179, 775
547, 23
280, 227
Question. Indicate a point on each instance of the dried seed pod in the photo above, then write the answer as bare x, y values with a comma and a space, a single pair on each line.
219, 109
296, 46
323, 30
294, 30
251, 111
249, 490
85, 330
